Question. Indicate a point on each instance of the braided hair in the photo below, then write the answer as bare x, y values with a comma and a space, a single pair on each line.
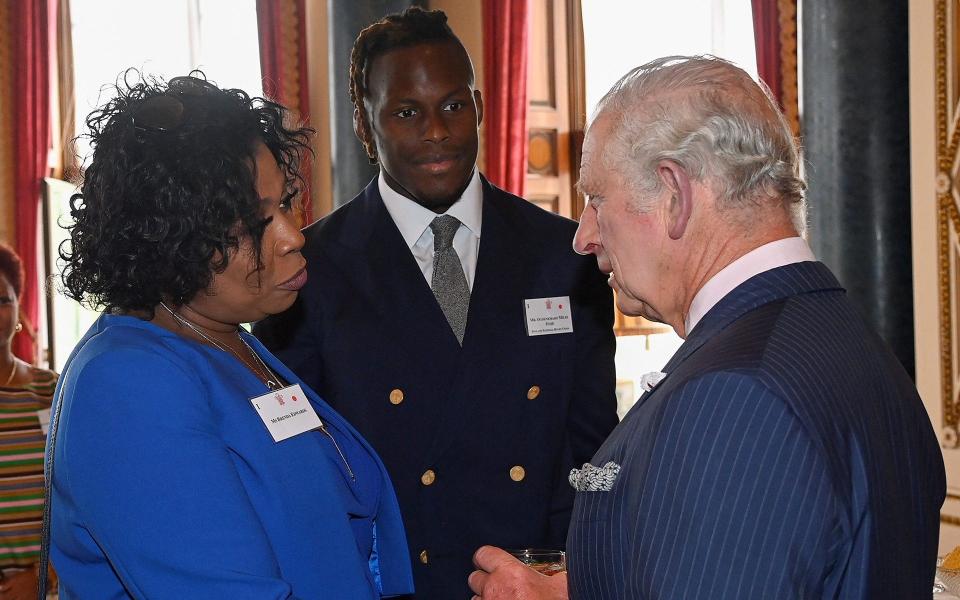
411, 27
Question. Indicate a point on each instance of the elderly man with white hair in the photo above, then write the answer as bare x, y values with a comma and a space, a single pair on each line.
783, 452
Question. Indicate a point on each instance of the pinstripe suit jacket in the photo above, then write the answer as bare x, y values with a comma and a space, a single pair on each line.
786, 455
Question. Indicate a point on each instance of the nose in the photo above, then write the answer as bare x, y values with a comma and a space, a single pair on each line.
587, 239
291, 238
436, 128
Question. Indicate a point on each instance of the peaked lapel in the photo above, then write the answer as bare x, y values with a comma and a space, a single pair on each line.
763, 288
496, 309
382, 265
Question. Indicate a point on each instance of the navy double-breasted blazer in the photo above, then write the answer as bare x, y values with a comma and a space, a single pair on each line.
478, 440
785, 455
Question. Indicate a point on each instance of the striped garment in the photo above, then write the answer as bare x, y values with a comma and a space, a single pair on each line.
785, 455
21, 468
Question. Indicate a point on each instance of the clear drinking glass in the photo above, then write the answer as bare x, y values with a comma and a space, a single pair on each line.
547, 562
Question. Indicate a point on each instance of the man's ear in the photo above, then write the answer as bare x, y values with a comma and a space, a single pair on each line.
677, 182
478, 99
361, 127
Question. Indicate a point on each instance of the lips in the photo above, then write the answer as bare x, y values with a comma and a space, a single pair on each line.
437, 163
296, 282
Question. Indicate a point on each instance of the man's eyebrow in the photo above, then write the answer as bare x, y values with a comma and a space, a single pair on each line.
586, 184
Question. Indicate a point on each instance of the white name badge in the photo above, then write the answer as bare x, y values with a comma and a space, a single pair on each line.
547, 316
43, 415
286, 412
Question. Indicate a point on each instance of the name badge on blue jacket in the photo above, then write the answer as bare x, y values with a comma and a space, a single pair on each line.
286, 412
547, 316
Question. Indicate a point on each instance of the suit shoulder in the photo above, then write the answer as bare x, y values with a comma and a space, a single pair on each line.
525, 209
344, 224
726, 402
334, 222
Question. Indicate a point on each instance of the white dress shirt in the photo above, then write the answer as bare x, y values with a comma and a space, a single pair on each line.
413, 221
769, 256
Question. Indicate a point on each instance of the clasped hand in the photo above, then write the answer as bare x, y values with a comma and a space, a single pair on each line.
500, 576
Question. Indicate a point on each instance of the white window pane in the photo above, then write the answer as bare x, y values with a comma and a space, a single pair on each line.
622, 34
159, 38
229, 53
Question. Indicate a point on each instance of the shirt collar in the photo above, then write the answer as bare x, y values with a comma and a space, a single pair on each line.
769, 256
412, 219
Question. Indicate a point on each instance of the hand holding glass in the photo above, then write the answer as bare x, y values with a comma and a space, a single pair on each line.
546, 562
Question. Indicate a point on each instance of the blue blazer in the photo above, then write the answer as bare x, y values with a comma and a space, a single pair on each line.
168, 485
785, 455
497, 423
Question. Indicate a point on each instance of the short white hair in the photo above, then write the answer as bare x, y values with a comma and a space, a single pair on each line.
710, 117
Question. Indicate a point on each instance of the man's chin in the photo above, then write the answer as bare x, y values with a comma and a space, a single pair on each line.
635, 308
631, 308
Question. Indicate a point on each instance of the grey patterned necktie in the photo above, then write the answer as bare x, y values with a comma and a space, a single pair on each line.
448, 283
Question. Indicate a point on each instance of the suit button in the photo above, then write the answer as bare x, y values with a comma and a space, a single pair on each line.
423, 557
396, 396
517, 473
533, 392
428, 477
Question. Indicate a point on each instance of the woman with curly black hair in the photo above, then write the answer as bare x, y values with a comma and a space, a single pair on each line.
187, 461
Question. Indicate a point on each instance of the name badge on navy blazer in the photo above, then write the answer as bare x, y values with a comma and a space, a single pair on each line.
547, 316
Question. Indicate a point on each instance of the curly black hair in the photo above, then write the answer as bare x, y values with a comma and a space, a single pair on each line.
412, 27
12, 268
170, 189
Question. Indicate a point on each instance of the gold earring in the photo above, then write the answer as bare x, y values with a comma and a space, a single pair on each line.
18, 328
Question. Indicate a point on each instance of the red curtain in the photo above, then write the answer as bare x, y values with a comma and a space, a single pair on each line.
505, 36
33, 24
766, 35
283, 64
775, 35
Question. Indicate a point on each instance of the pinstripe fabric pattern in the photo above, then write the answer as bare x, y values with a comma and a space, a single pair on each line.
786, 455
21, 468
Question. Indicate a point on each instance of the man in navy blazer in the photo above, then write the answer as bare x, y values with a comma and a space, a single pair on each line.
783, 452
478, 420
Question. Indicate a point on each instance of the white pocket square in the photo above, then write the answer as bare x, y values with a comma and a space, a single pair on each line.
650, 380
589, 478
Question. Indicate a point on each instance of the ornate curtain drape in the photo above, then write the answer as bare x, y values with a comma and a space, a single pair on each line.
505, 38
283, 66
31, 27
775, 35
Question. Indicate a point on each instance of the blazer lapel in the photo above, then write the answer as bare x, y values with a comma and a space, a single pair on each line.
384, 269
495, 315
763, 288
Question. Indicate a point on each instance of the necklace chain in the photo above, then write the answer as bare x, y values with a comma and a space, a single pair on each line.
272, 381
13, 371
